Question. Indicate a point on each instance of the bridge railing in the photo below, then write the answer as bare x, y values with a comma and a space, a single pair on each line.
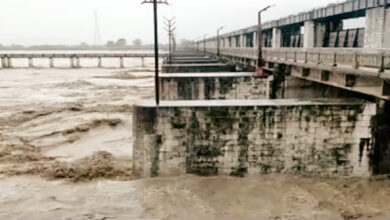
353, 58
248, 53
341, 57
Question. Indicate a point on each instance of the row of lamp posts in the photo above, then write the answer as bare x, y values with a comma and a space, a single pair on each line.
259, 71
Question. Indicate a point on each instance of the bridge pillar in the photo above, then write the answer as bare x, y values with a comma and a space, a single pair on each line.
9, 62
99, 62
121, 62
255, 40
377, 34
78, 65
314, 34
3, 63
72, 65
243, 40
276, 38
51, 62
143, 61
30, 62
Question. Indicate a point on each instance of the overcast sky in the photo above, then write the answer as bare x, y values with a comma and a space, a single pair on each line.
30, 22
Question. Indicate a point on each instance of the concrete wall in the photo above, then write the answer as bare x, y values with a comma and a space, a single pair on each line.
377, 34
276, 38
292, 87
249, 137
214, 86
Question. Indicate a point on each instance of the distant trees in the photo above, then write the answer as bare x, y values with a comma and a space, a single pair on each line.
137, 42
121, 42
110, 43
83, 44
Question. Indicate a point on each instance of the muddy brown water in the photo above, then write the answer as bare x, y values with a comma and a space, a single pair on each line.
66, 152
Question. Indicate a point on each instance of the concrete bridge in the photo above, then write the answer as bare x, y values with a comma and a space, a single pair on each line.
324, 109
74, 58
314, 46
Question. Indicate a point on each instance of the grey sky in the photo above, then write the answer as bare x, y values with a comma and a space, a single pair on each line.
72, 21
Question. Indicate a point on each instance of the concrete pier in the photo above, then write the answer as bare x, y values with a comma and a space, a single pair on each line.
9, 62
72, 64
208, 86
30, 62
3, 62
78, 65
99, 62
121, 64
195, 61
198, 68
51, 62
252, 137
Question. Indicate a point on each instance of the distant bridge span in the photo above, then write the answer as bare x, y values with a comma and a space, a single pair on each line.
74, 58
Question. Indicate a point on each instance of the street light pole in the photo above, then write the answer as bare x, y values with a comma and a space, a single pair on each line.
218, 45
197, 44
156, 60
260, 64
204, 44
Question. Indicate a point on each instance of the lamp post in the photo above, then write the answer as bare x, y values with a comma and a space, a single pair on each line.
197, 44
204, 44
260, 64
218, 45
156, 60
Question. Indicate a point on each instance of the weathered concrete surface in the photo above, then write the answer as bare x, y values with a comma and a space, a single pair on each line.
201, 86
252, 137
194, 61
292, 87
198, 68
276, 38
377, 33
192, 57
314, 33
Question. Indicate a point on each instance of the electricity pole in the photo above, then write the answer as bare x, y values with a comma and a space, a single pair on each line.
157, 86
170, 28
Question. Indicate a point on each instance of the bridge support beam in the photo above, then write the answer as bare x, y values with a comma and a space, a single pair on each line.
377, 33
51, 62
314, 34
276, 38
72, 65
30, 62
121, 64
99, 62
9, 62
3, 62
78, 65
